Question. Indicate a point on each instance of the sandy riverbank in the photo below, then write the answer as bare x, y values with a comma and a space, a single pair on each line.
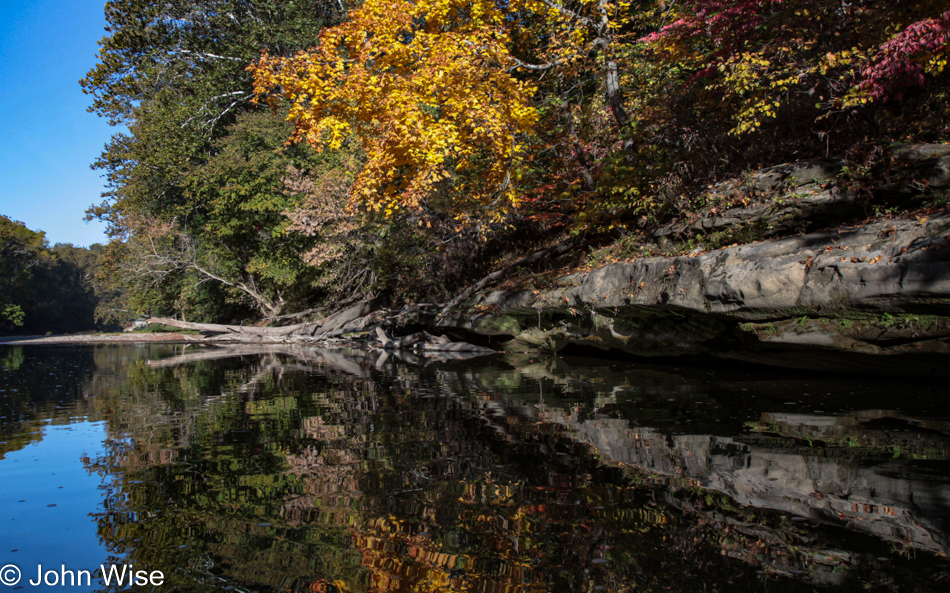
98, 339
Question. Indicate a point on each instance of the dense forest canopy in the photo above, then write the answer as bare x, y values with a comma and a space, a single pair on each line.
286, 154
42, 288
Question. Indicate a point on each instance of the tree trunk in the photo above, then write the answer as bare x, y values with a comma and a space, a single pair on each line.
315, 329
218, 328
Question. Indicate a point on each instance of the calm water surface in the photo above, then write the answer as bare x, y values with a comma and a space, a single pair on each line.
282, 469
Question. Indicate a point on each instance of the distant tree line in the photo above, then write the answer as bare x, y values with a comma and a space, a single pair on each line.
42, 288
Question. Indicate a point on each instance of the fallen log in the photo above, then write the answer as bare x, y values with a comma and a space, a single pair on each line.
296, 315
338, 320
218, 328
362, 322
316, 329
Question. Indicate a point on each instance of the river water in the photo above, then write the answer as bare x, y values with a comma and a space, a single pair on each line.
288, 469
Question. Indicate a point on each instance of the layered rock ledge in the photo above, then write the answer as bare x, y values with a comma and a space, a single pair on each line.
872, 297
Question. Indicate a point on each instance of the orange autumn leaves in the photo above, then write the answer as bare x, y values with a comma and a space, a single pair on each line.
425, 88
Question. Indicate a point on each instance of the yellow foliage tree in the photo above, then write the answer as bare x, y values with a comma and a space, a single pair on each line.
426, 88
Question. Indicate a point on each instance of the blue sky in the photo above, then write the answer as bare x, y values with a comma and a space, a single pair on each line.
47, 139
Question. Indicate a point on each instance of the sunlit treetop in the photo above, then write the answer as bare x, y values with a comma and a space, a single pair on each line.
427, 90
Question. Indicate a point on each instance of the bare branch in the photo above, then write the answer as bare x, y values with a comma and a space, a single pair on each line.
162, 256
535, 67
205, 55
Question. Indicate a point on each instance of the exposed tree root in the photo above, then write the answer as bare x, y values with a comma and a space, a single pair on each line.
546, 253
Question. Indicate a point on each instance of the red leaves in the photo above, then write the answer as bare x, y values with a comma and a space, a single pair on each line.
726, 22
899, 63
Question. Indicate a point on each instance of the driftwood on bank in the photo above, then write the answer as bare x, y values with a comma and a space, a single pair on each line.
297, 315
218, 328
363, 322
314, 329
338, 320
365, 319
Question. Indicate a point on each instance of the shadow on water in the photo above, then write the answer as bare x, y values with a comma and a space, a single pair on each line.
288, 469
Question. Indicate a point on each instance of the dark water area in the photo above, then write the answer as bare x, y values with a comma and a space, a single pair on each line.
288, 469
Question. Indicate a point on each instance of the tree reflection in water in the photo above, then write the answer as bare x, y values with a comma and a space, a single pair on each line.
305, 470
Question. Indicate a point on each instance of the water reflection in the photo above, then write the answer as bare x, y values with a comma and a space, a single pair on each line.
46, 496
303, 470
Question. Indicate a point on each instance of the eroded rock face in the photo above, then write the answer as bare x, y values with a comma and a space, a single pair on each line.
872, 289
892, 264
